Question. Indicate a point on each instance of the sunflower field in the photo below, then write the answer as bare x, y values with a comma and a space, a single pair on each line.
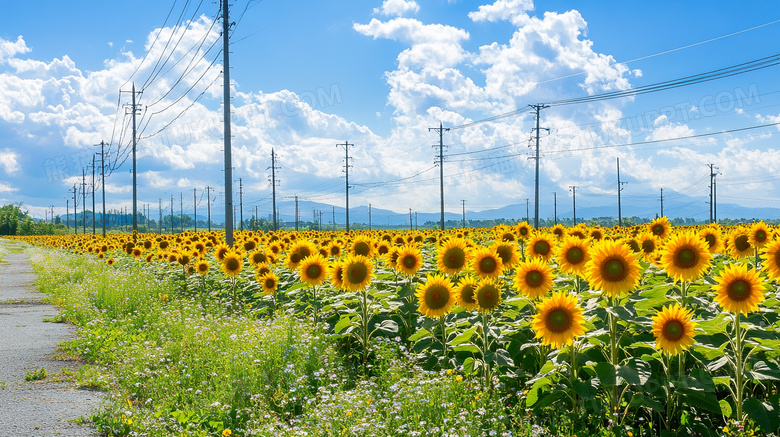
584, 331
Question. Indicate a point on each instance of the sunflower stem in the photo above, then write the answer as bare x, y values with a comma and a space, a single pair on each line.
364, 323
613, 354
314, 305
738, 363
574, 376
681, 355
443, 340
485, 349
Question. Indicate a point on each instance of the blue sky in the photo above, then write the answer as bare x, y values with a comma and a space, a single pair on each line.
310, 74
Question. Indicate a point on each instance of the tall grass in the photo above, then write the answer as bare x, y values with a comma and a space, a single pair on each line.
177, 364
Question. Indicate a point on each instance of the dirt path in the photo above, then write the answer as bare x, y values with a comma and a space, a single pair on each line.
48, 407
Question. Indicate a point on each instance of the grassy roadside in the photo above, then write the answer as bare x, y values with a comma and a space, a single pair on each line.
183, 364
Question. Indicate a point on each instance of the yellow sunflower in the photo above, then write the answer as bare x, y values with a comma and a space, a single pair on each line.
299, 251
435, 296
771, 254
362, 246
488, 295
486, 263
649, 245
739, 289
660, 227
685, 256
409, 259
714, 238
219, 251
523, 230
357, 272
738, 243
508, 254
573, 255
336, 273
673, 329
202, 267
558, 320
232, 264
258, 257
759, 234
268, 282
262, 269
504, 233
559, 231
540, 245
452, 256
314, 270
534, 278
465, 292
612, 268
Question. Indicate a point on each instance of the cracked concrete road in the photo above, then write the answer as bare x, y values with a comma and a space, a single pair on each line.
52, 406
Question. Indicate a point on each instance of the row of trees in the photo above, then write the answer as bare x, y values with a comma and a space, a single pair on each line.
14, 221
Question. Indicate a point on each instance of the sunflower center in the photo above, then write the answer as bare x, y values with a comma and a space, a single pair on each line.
614, 270
488, 297
437, 296
270, 283
313, 271
648, 246
409, 261
231, 264
657, 229
505, 252
542, 247
558, 321
356, 273
673, 330
534, 278
454, 258
575, 255
739, 290
760, 235
710, 239
467, 294
295, 258
741, 243
362, 248
686, 258
487, 265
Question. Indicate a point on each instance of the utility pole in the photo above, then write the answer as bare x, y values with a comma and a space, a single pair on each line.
181, 211
75, 211
555, 207
93, 194
369, 216
257, 222
159, 224
84, 198
103, 183
619, 189
463, 203
171, 215
67, 217
195, 206
537, 108
208, 205
297, 218
134, 110
662, 202
715, 198
241, 202
527, 216
410, 220
226, 122
440, 161
574, 202
273, 187
346, 146
333, 211
712, 192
